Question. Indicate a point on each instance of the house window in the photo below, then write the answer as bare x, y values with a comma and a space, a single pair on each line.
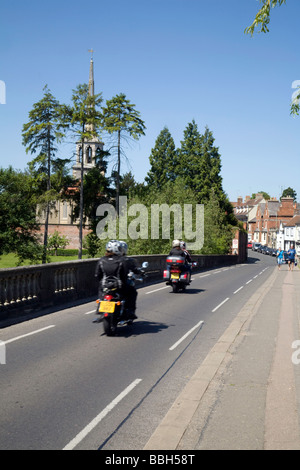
65, 210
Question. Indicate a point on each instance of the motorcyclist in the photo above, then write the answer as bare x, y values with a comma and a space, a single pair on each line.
187, 255
110, 269
177, 250
188, 259
130, 291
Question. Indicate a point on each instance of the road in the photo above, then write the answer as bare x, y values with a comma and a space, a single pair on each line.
67, 386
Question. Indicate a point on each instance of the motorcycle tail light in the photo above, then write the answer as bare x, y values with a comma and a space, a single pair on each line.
108, 297
165, 274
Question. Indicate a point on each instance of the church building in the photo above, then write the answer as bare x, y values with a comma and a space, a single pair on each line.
61, 218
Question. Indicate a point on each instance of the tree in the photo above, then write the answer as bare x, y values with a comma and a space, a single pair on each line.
57, 241
18, 226
262, 18
163, 161
199, 163
42, 133
289, 192
217, 231
263, 194
209, 169
84, 120
189, 157
123, 122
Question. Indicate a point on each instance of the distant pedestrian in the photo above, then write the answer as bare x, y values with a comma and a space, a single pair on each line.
279, 255
291, 257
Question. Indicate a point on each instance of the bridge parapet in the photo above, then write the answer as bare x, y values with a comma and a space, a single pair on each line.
32, 288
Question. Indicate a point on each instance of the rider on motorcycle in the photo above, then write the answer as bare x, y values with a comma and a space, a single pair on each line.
130, 291
110, 270
179, 249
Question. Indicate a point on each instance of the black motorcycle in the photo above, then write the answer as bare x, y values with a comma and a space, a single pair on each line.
112, 307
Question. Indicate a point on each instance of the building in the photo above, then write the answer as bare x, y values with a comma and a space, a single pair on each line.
289, 234
61, 213
269, 222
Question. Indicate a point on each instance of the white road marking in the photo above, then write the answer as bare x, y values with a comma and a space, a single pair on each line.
100, 416
250, 280
92, 311
220, 305
156, 290
185, 336
240, 288
28, 334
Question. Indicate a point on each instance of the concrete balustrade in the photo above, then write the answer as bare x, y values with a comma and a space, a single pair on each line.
34, 288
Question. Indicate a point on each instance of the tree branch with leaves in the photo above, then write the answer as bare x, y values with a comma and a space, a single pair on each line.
262, 18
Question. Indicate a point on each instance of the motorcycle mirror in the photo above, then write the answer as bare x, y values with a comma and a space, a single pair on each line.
145, 264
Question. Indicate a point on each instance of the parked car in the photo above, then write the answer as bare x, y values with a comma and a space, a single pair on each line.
256, 246
249, 245
263, 249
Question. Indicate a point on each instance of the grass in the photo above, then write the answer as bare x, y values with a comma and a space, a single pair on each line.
11, 260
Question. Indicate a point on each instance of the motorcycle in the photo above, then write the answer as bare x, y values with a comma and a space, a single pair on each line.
112, 308
177, 274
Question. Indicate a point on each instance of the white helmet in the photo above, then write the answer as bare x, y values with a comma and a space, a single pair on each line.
183, 245
124, 247
114, 246
175, 243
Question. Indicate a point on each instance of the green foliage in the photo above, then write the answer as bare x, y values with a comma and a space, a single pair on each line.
122, 121
217, 232
289, 192
163, 161
262, 18
18, 227
93, 245
174, 195
57, 241
42, 133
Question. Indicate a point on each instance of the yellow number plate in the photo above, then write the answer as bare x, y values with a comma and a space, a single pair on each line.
108, 307
174, 276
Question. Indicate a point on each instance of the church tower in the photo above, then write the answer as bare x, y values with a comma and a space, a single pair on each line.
90, 148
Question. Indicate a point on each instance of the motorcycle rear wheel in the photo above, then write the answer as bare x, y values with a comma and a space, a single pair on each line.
109, 327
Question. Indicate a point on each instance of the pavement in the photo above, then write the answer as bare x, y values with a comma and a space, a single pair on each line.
246, 393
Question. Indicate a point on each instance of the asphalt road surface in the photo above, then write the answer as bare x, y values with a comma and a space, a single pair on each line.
66, 385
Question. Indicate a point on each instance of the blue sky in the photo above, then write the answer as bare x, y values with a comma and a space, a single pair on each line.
176, 60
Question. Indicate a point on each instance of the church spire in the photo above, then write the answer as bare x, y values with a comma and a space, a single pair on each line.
91, 79
90, 146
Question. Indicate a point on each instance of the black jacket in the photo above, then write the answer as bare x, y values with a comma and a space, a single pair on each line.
179, 252
111, 268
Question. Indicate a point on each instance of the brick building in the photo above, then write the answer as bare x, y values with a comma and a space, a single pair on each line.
263, 218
